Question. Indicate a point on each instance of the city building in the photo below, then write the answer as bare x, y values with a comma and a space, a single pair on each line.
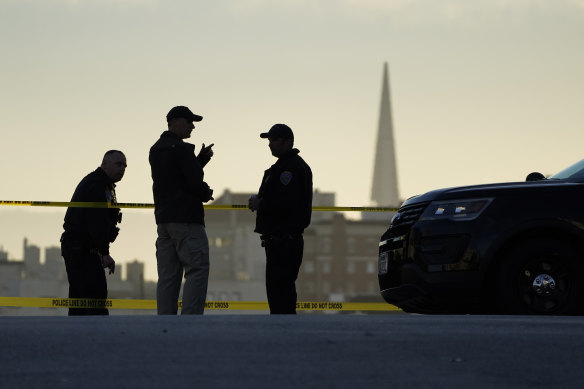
30, 277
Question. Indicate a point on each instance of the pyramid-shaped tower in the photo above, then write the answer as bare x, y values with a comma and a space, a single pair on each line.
384, 191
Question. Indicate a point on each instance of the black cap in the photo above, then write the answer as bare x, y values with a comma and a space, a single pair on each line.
278, 131
182, 112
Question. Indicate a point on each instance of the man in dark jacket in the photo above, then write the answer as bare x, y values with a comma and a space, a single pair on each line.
89, 232
179, 193
284, 208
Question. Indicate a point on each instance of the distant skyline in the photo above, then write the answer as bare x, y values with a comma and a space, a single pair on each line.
43, 228
482, 91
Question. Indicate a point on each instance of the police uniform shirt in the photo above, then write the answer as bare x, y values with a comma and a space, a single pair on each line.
286, 197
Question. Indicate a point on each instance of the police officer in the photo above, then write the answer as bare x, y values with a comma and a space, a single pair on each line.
89, 232
284, 207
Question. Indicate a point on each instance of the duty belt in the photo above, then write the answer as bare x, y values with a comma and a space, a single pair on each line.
267, 237
279, 237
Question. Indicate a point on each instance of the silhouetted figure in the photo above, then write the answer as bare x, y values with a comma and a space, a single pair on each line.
179, 193
89, 232
535, 176
284, 208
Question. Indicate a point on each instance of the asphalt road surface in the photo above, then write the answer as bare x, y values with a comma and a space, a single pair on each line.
304, 351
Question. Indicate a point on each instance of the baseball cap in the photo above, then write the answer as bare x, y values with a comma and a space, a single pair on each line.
278, 131
182, 112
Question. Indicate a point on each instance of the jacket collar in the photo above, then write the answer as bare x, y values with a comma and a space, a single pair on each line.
169, 134
290, 153
99, 171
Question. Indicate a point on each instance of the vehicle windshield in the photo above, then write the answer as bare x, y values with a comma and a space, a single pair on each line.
572, 173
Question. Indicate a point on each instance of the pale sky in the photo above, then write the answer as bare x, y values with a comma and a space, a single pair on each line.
482, 91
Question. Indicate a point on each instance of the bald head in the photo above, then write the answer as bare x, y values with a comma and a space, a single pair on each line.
114, 164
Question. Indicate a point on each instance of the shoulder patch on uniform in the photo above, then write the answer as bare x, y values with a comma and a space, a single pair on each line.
286, 177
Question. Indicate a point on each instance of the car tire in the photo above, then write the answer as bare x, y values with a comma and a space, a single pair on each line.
540, 277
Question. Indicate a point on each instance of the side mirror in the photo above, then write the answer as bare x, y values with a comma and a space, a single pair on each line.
535, 176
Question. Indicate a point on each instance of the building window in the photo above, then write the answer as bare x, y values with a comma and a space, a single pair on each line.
326, 267
351, 245
325, 245
350, 267
372, 245
371, 268
308, 267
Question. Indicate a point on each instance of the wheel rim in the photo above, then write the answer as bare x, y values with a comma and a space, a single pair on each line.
544, 285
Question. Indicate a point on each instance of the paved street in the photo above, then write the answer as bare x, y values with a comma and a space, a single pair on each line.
306, 351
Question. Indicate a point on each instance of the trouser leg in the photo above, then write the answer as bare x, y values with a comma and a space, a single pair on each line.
283, 260
169, 272
86, 278
193, 251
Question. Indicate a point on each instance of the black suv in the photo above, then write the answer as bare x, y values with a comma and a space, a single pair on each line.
509, 248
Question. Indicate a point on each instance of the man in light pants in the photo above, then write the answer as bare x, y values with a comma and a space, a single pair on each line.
179, 193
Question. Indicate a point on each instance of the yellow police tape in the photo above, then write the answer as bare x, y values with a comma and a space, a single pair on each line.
48, 302
151, 304
145, 205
